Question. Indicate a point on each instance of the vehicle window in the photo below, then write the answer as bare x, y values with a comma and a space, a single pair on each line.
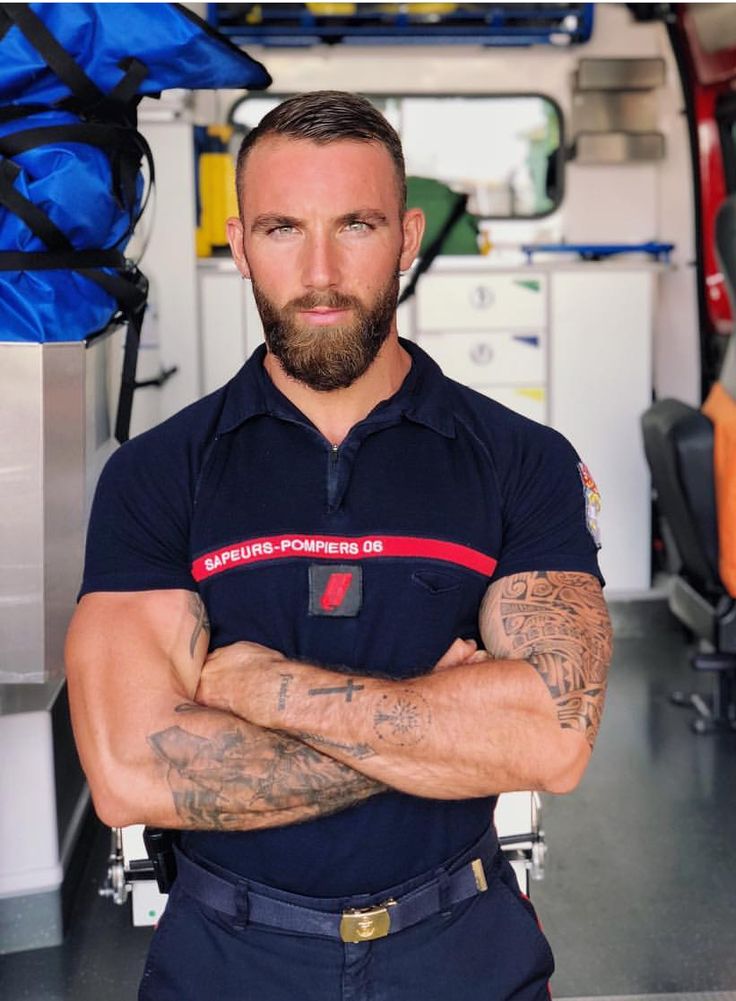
504, 151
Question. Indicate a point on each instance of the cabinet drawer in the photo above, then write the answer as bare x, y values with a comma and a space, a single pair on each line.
529, 401
482, 358
481, 302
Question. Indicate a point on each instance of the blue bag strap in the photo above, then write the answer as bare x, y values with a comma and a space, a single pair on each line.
5, 24
131, 292
12, 112
53, 53
87, 97
66, 260
125, 147
125, 90
33, 216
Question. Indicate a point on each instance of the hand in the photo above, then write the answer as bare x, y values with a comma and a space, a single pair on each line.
460, 652
233, 678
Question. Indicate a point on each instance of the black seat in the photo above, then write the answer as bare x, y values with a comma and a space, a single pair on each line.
678, 443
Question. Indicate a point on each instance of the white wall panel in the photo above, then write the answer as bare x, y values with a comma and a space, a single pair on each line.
600, 383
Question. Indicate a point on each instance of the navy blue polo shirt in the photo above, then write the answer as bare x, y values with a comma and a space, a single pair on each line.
372, 557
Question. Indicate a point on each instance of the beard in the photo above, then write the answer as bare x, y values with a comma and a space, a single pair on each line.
328, 357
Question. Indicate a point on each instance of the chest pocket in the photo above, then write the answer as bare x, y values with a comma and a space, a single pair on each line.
440, 606
437, 581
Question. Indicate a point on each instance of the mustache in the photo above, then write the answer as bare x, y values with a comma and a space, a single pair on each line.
323, 300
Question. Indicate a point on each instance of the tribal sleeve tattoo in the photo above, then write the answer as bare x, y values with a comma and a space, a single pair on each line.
558, 622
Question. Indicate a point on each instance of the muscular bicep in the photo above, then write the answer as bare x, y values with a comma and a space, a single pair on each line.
154, 756
558, 623
131, 657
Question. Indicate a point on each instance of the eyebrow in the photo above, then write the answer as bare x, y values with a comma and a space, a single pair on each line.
374, 216
262, 223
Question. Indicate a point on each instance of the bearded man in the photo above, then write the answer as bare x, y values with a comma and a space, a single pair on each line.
329, 613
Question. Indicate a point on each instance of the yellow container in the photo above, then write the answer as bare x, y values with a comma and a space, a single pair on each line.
218, 200
331, 9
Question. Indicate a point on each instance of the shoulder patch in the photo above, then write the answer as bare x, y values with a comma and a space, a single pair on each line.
592, 503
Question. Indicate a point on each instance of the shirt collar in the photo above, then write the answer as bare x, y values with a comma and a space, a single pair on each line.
422, 397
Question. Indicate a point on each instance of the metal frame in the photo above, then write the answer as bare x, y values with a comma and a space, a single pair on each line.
295, 25
561, 155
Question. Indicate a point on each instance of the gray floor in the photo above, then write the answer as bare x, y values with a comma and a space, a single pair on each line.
640, 892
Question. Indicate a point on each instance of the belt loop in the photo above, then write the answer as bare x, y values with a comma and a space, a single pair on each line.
241, 905
443, 886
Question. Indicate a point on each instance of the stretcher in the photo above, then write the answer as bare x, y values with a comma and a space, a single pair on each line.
131, 874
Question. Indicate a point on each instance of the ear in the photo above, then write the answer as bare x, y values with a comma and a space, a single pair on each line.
413, 228
234, 229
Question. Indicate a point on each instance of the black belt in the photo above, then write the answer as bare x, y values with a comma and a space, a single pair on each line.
358, 924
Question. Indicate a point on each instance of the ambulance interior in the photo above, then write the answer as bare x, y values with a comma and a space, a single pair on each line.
589, 282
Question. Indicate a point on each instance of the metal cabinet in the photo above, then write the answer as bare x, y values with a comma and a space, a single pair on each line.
57, 411
488, 330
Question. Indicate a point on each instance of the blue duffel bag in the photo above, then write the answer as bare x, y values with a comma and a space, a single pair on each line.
93, 52
59, 197
71, 190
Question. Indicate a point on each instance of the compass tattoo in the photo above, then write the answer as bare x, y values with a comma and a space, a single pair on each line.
402, 719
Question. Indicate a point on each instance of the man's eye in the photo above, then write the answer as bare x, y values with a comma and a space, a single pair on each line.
281, 230
358, 226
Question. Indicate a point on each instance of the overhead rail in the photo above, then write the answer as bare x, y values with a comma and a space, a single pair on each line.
308, 24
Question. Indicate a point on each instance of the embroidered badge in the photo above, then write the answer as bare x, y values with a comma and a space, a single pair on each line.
592, 503
335, 590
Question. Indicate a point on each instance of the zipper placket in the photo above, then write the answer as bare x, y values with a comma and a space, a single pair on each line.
332, 475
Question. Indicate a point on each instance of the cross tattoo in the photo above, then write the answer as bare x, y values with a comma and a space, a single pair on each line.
348, 689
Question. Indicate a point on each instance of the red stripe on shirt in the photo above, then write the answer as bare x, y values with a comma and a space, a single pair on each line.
334, 547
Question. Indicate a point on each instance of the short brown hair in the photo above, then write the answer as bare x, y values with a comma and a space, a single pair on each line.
325, 116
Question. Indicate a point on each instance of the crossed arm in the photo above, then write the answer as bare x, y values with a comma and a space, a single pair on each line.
524, 715
154, 756
245, 739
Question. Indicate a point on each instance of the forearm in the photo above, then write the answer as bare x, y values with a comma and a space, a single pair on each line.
203, 769
474, 730
525, 717
222, 773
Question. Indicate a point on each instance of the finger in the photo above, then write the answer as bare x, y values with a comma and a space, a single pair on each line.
479, 657
458, 652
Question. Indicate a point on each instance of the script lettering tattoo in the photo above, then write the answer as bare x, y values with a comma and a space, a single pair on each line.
558, 622
402, 719
202, 623
286, 680
347, 690
357, 751
244, 777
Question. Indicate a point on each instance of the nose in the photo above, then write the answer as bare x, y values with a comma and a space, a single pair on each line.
320, 262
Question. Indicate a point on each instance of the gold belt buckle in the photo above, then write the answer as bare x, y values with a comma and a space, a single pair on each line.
363, 924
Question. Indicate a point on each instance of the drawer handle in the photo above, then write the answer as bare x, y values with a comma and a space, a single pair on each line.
482, 297
481, 354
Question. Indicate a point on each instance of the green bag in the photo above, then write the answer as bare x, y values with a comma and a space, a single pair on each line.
437, 202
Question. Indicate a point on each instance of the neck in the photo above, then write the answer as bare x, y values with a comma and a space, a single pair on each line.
335, 412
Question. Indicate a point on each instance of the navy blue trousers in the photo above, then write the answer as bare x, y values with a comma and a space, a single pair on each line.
487, 948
